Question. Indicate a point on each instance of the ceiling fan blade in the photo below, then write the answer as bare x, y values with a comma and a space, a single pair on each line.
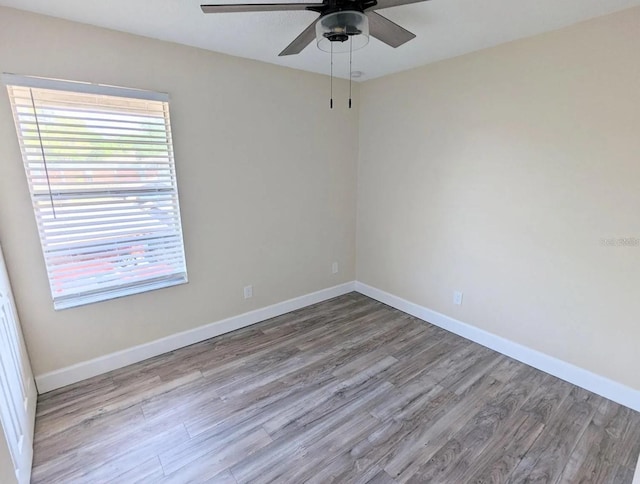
387, 31
392, 3
257, 7
301, 41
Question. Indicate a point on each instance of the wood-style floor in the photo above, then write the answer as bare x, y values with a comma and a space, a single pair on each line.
348, 390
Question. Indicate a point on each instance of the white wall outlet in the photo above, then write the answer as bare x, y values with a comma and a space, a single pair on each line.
248, 292
457, 298
334, 268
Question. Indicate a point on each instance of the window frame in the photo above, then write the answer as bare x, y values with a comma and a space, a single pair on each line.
164, 195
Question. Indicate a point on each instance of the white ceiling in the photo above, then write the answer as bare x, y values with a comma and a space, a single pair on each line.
444, 28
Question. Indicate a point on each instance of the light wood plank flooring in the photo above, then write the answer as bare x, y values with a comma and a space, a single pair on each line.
348, 390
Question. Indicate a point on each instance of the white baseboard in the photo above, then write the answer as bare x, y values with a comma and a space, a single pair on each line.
578, 376
87, 369
600, 385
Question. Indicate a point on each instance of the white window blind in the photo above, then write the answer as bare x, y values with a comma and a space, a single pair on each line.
99, 162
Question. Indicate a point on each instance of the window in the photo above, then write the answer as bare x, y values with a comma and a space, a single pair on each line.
100, 167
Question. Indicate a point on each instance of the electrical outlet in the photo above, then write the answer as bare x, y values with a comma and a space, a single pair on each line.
248, 292
334, 268
457, 298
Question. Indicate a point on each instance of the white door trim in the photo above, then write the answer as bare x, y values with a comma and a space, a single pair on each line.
17, 389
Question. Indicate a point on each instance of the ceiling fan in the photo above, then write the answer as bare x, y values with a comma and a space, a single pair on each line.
339, 21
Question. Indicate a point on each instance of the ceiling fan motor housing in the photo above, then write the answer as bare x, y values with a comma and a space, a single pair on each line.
338, 27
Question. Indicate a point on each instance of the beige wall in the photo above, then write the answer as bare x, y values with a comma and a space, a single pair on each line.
497, 174
266, 175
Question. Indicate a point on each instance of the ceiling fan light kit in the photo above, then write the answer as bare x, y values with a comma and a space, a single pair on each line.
338, 28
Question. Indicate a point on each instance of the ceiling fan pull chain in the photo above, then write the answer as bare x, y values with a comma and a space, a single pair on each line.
331, 100
350, 57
